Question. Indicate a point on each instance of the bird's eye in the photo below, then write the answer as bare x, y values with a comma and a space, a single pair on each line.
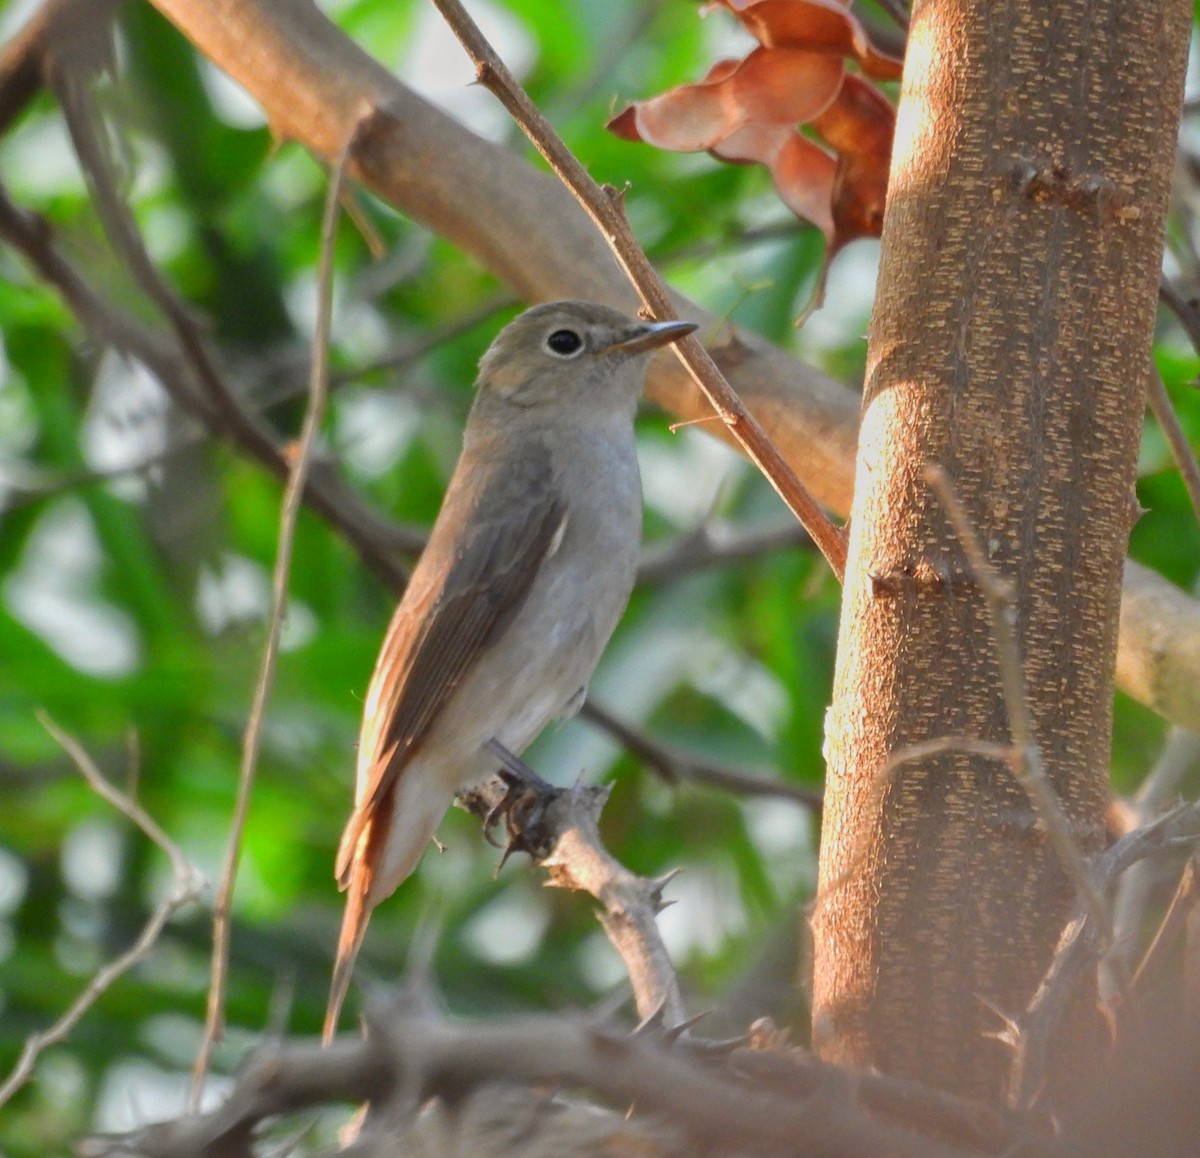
564, 343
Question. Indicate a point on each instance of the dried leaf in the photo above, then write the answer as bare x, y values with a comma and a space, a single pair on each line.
771, 86
803, 173
817, 26
859, 126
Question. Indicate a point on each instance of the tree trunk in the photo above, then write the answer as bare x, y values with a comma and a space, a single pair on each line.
1010, 345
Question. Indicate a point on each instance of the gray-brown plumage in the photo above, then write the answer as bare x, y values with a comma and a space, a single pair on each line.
528, 568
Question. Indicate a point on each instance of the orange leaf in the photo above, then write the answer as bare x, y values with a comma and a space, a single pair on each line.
859, 125
817, 26
860, 120
771, 86
803, 173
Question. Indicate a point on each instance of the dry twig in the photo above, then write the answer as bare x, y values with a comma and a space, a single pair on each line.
716, 545
1025, 758
412, 1054
674, 763
187, 887
293, 492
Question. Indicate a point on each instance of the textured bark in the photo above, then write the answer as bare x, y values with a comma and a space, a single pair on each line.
1010, 344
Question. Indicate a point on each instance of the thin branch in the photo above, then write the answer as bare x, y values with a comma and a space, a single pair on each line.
712, 545
1181, 449
221, 407
1081, 947
1026, 756
674, 763
318, 396
1185, 311
1172, 926
606, 210
897, 11
1180, 753
188, 884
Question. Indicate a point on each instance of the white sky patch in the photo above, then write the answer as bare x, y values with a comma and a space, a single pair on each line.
134, 1093
706, 913
52, 592
233, 104
91, 859
783, 834
742, 685
126, 422
375, 428
849, 296
684, 478
509, 929
437, 66
237, 591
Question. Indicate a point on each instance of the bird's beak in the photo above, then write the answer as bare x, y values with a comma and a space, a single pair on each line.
648, 335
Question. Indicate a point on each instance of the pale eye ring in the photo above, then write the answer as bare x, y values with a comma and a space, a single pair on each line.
564, 343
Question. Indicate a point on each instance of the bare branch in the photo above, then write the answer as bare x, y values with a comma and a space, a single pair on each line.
375, 539
674, 763
411, 1055
61, 33
1181, 449
1082, 945
606, 210
1180, 754
188, 884
716, 545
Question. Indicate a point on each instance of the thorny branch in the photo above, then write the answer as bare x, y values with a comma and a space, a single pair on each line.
411, 1053
605, 207
559, 828
1081, 947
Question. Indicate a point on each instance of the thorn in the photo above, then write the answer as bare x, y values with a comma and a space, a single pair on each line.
1010, 1035
651, 1022
671, 1036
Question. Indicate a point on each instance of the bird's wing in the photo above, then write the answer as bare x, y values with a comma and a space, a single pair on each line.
467, 588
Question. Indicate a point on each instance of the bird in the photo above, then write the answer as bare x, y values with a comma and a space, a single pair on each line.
528, 568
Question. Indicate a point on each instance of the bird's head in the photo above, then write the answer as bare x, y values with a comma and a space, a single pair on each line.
551, 353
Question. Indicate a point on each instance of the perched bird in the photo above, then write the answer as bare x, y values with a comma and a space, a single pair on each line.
528, 569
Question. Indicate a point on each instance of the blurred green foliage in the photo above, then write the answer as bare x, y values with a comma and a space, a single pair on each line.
135, 557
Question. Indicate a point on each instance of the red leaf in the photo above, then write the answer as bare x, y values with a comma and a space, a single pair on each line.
816, 26
771, 86
803, 173
860, 120
859, 125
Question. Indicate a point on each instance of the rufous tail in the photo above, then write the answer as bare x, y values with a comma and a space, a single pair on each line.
354, 928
